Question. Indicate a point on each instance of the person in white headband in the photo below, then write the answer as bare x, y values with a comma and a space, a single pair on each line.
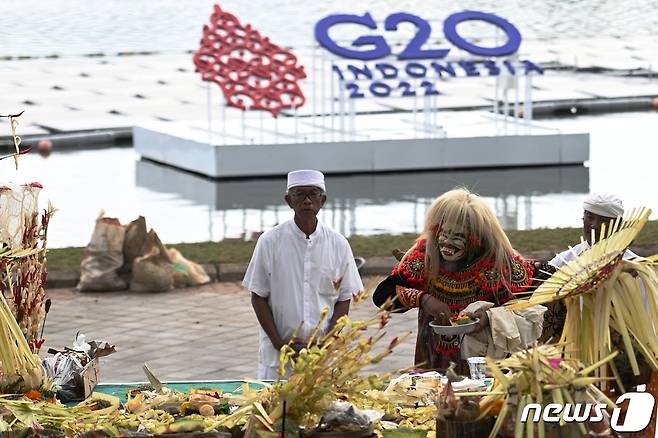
299, 268
604, 204
598, 209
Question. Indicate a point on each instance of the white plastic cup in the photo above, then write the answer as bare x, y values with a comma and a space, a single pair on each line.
477, 366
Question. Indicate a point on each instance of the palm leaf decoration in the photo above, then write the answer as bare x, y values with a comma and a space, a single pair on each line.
606, 297
540, 375
17, 253
589, 270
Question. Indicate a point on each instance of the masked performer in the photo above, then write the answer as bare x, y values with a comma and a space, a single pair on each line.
463, 261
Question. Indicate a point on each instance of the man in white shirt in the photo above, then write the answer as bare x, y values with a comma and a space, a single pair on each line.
599, 209
299, 268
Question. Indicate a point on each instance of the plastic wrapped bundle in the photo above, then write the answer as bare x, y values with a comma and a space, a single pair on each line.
18, 205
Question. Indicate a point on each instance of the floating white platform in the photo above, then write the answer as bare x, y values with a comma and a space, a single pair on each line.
269, 151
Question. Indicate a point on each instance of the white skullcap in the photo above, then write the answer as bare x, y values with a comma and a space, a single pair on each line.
604, 204
298, 178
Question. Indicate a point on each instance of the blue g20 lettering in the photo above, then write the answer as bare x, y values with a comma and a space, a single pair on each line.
413, 49
513, 34
379, 48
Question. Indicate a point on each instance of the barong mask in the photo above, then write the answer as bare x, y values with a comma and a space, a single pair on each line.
452, 246
454, 242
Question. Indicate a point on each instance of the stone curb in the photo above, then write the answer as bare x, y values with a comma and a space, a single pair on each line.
226, 272
232, 272
62, 279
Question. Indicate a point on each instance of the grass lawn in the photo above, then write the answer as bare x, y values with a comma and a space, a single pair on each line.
238, 251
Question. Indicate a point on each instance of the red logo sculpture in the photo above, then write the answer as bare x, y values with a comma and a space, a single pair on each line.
253, 72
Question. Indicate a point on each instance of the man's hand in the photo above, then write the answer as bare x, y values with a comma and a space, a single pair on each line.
483, 322
297, 344
436, 308
341, 308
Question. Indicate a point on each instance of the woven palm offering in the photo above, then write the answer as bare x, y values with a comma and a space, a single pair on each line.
606, 295
541, 376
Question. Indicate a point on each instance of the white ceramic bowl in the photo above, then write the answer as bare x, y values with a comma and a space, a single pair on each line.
452, 330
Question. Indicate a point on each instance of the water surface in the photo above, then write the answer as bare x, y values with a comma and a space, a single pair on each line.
184, 207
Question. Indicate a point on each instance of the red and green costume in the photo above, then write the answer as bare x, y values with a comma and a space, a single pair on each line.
478, 281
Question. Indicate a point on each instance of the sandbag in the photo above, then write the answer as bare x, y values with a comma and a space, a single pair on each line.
118, 256
103, 257
153, 271
152, 274
193, 274
153, 243
136, 234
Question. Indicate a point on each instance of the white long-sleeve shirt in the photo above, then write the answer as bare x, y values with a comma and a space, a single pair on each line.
566, 256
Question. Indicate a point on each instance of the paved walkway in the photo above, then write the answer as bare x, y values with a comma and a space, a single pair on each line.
210, 332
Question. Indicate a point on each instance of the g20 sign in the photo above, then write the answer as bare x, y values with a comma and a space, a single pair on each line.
418, 62
380, 48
